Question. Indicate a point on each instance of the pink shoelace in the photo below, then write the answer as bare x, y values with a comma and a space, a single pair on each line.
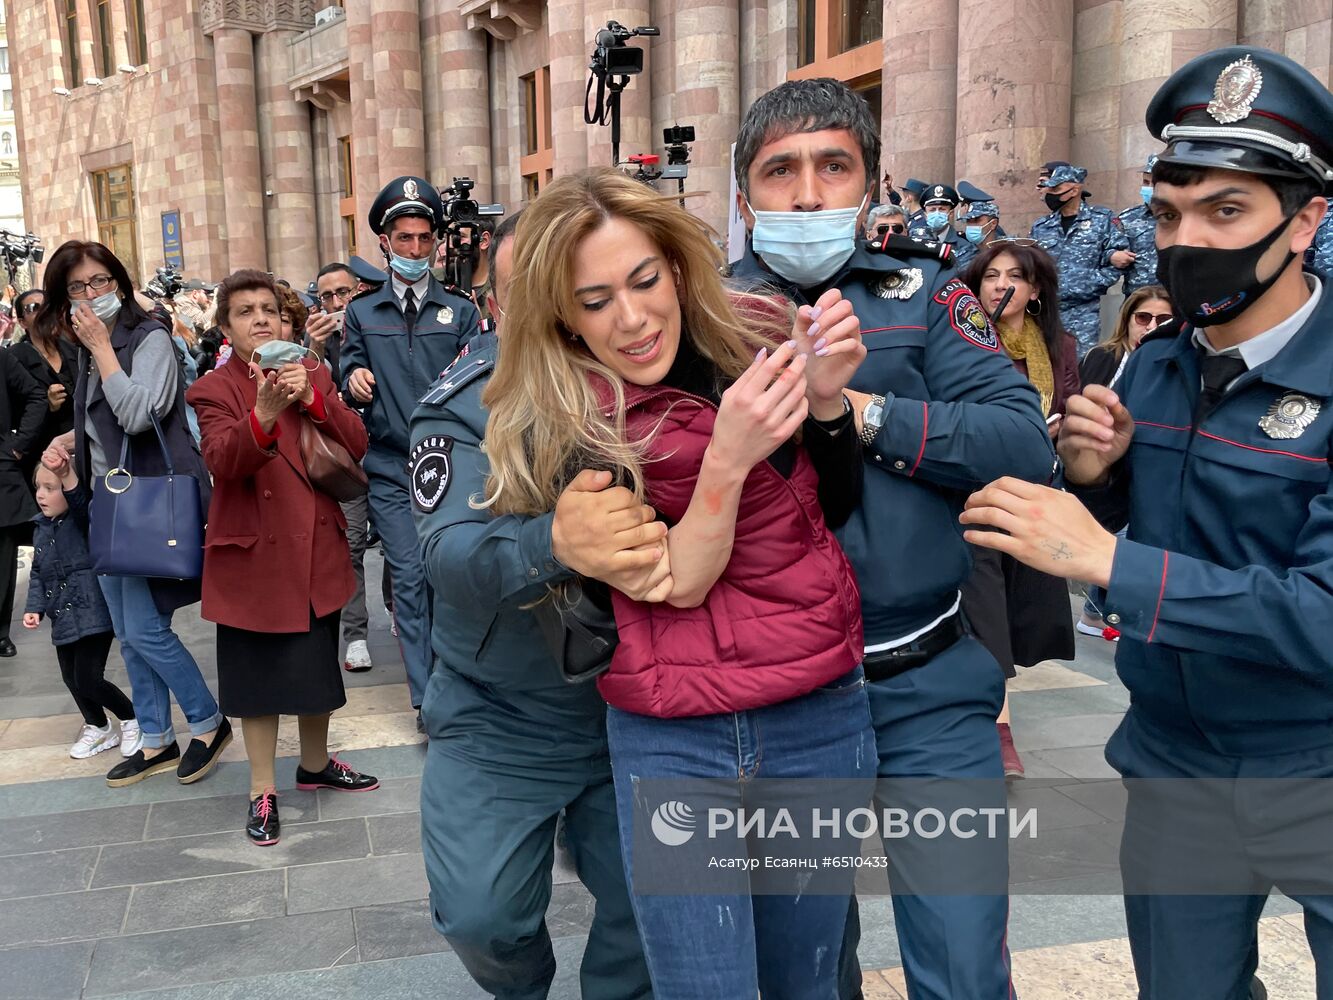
267, 801
339, 765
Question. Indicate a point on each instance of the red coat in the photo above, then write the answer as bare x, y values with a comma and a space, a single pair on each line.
784, 617
275, 546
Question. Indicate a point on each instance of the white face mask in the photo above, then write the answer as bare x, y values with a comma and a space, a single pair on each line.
105, 307
806, 248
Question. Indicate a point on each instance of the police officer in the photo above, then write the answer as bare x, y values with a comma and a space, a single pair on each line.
913, 189
939, 202
1321, 254
981, 224
369, 277
1140, 228
397, 341
1090, 252
939, 409
971, 196
1215, 449
511, 743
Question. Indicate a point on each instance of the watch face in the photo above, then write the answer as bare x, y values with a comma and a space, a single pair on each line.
874, 415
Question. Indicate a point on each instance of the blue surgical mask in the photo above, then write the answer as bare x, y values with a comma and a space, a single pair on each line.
975, 234
105, 307
1146, 193
410, 269
936, 221
806, 248
273, 354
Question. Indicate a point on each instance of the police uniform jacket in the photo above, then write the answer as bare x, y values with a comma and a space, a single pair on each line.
1140, 228
1083, 254
961, 249
957, 416
486, 571
404, 362
1223, 589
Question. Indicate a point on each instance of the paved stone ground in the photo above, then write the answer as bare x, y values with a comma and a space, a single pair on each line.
153, 892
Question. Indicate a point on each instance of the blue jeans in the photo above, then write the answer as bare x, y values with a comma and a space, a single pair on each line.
702, 947
391, 515
158, 663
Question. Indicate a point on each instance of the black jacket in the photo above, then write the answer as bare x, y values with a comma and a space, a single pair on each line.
62, 420
22, 408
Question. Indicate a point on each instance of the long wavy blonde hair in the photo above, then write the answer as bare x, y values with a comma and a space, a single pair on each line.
548, 398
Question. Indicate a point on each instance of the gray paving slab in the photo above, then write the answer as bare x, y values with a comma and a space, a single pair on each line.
1084, 763
39, 874
215, 899
1067, 731
363, 882
395, 795
64, 916
571, 910
213, 954
396, 834
1106, 798
1031, 707
220, 813
397, 930
219, 853
60, 831
49, 972
1042, 921
1054, 810
1054, 854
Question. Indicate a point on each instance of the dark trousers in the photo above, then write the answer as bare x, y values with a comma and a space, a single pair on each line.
83, 669
9, 572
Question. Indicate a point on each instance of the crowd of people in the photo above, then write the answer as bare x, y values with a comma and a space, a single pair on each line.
797, 518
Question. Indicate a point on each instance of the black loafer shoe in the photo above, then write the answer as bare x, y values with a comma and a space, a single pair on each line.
201, 757
337, 775
7, 647
138, 767
262, 825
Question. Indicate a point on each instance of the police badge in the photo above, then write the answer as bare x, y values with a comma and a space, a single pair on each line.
900, 284
410, 190
1289, 416
445, 316
1235, 92
430, 472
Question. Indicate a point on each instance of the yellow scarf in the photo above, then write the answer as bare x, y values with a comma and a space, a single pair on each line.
1028, 345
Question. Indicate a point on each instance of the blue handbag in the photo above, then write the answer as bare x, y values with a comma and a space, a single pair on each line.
150, 526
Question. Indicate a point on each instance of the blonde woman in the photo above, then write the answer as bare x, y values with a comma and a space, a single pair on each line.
622, 351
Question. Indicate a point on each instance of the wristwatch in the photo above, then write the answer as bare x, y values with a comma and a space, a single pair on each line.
872, 419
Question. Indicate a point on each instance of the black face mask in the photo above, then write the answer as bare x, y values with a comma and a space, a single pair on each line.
1055, 202
1210, 286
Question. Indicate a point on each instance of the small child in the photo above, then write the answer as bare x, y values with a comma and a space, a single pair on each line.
64, 589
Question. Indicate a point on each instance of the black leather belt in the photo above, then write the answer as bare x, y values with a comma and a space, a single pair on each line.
891, 662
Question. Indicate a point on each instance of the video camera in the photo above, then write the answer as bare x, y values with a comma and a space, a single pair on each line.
166, 283
462, 232
18, 250
613, 63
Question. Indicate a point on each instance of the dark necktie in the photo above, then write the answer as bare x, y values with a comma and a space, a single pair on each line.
1219, 371
410, 309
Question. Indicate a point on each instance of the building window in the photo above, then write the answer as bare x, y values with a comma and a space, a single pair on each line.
6, 100
347, 192
106, 60
6, 144
73, 76
840, 37
113, 196
138, 32
538, 161
4, 58
349, 234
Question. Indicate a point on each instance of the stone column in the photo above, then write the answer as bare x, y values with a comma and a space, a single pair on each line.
708, 97
1014, 64
119, 38
920, 86
327, 224
87, 61
1262, 23
364, 123
1309, 37
636, 101
288, 164
233, 54
395, 27
1095, 143
569, 73
456, 97
1158, 38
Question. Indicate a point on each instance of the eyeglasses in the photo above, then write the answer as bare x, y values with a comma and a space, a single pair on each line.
1019, 241
1145, 318
97, 283
897, 229
31, 307
337, 293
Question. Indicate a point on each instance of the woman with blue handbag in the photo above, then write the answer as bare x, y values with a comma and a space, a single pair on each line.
132, 443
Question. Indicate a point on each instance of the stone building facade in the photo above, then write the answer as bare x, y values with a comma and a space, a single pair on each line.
266, 127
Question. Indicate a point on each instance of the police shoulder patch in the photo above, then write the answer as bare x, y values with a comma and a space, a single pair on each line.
430, 469
966, 316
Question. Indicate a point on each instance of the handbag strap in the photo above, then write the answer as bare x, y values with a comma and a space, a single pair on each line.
161, 441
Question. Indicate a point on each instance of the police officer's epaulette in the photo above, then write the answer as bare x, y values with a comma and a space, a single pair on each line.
1165, 331
465, 370
362, 294
908, 246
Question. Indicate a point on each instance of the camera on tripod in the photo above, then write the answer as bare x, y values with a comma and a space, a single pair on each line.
166, 283
465, 221
18, 250
677, 140
613, 63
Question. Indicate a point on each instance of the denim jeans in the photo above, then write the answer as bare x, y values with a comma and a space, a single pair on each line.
702, 947
158, 663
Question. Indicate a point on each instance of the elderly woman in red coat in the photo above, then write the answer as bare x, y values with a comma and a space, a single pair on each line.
277, 645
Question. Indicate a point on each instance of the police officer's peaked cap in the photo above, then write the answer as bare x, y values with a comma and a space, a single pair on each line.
1064, 174
1246, 108
1050, 165
914, 186
970, 192
939, 193
1152, 162
981, 210
413, 196
367, 272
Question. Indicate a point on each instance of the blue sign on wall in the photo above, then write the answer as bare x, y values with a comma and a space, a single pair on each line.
172, 252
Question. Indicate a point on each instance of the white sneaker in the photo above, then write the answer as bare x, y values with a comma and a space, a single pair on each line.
93, 741
131, 740
358, 657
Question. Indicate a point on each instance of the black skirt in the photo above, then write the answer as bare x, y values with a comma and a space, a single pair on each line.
282, 673
1021, 615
